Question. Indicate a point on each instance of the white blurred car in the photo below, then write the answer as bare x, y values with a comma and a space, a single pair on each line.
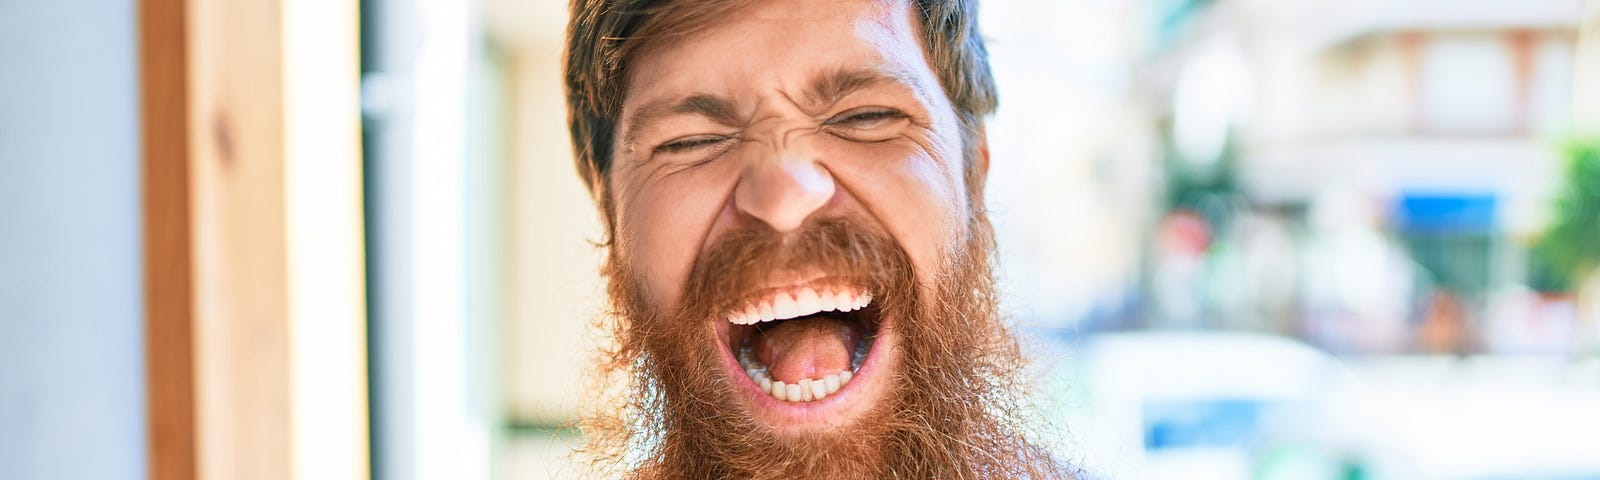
1199, 405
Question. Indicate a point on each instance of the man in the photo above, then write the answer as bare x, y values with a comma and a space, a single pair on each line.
799, 258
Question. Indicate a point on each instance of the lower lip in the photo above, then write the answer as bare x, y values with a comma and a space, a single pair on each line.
815, 411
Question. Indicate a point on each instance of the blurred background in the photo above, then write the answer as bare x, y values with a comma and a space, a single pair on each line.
1253, 239
1247, 239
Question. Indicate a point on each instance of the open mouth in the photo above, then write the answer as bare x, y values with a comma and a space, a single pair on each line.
804, 344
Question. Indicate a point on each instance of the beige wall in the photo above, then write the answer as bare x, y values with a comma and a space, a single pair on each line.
554, 289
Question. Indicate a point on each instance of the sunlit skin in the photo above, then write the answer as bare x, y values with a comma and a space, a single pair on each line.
782, 113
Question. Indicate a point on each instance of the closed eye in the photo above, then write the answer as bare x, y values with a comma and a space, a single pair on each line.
868, 124
687, 144
868, 117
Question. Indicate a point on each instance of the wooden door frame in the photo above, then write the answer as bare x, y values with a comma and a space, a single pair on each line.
254, 295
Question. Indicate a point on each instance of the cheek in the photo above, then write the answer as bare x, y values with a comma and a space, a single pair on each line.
916, 190
662, 224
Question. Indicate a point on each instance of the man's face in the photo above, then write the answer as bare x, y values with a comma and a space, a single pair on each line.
770, 120
799, 274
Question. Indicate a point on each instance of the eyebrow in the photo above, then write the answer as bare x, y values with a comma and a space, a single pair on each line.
824, 91
829, 88
716, 108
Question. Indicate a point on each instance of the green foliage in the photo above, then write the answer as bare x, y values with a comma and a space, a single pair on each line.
1571, 246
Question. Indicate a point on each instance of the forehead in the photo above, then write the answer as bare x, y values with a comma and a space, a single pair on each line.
779, 44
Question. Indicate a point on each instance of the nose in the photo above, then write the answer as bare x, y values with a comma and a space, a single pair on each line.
783, 190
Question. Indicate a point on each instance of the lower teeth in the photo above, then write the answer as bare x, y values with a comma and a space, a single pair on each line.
806, 389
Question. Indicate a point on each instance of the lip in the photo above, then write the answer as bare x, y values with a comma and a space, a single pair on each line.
837, 409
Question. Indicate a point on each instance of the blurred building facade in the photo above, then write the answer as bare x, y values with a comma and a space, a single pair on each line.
1371, 174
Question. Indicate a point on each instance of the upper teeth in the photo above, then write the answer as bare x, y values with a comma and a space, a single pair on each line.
802, 302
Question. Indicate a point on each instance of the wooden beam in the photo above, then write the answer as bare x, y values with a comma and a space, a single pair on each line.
168, 279
236, 262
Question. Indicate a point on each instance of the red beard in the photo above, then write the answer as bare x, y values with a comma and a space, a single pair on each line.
954, 410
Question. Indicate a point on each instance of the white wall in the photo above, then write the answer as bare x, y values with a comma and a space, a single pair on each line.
71, 363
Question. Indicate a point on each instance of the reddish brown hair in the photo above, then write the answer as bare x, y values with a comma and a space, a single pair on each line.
604, 35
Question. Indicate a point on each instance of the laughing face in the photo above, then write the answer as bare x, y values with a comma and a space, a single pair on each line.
799, 271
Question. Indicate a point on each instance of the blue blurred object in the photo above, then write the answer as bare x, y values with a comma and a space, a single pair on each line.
1420, 213
1199, 423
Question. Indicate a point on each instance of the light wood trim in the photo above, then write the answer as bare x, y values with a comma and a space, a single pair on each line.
228, 236
327, 290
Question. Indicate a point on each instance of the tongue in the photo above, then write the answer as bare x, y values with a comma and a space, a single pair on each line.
811, 347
